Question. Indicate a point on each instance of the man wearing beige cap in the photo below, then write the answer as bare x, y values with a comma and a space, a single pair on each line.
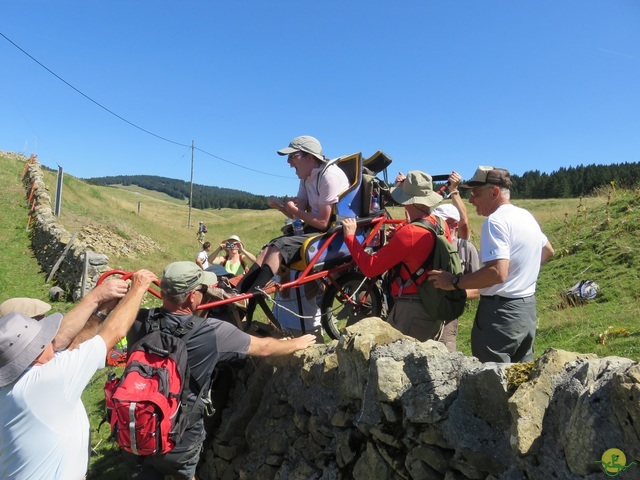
31, 307
319, 189
183, 287
404, 255
512, 248
44, 429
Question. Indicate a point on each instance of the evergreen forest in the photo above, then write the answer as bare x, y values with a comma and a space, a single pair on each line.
571, 182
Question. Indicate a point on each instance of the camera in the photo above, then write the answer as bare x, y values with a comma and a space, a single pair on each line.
230, 245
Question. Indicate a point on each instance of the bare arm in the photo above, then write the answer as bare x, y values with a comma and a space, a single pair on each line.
247, 253
319, 220
122, 317
77, 318
547, 252
463, 225
273, 347
492, 273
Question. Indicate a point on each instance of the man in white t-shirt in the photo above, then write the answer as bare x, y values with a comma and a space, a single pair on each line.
44, 428
512, 248
202, 259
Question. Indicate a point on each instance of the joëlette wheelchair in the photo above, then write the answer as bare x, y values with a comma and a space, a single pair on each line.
348, 296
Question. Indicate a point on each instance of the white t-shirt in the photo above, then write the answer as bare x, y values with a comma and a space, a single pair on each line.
204, 258
512, 233
44, 428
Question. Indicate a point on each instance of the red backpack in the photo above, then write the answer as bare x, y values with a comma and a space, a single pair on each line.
148, 405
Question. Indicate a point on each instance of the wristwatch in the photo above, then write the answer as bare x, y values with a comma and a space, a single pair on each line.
100, 315
455, 282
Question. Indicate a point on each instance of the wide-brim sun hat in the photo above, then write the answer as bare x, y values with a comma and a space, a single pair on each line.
307, 144
417, 188
235, 238
32, 307
22, 340
183, 277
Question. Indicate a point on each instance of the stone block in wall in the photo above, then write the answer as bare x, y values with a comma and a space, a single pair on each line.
625, 399
529, 403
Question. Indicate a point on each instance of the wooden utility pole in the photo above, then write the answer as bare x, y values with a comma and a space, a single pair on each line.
191, 191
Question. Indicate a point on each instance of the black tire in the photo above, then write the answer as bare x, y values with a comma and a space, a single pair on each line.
337, 314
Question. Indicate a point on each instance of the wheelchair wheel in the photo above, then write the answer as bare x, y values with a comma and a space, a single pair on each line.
338, 312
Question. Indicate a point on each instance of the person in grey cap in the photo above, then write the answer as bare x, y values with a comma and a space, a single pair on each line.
44, 429
512, 248
319, 189
403, 255
183, 286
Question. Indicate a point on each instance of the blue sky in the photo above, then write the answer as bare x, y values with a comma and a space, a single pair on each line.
437, 85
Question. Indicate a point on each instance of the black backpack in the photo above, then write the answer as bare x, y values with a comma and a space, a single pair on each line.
440, 304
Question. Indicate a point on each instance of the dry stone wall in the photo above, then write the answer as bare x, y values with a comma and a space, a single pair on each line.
49, 240
379, 405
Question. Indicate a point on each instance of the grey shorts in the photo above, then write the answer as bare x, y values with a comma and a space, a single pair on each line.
504, 329
170, 466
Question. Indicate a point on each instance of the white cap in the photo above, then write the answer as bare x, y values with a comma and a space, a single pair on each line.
447, 210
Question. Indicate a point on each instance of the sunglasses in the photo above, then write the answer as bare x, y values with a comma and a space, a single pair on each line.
474, 192
295, 155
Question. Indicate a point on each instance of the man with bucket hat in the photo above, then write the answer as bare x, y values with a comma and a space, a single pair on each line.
512, 248
403, 255
183, 287
44, 428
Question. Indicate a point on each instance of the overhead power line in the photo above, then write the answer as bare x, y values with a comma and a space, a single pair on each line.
129, 122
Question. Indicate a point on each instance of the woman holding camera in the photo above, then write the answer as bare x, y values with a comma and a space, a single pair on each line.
233, 256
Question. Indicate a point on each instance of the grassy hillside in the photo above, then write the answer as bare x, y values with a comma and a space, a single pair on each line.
594, 238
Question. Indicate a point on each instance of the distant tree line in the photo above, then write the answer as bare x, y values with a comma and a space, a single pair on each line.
574, 182
569, 182
203, 196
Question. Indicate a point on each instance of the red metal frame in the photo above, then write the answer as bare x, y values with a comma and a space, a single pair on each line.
306, 276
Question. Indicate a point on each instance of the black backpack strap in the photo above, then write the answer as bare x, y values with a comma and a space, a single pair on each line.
184, 332
186, 329
154, 321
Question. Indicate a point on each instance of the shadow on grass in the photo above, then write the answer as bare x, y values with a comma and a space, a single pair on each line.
107, 464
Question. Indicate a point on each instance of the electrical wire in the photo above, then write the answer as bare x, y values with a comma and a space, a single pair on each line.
129, 122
